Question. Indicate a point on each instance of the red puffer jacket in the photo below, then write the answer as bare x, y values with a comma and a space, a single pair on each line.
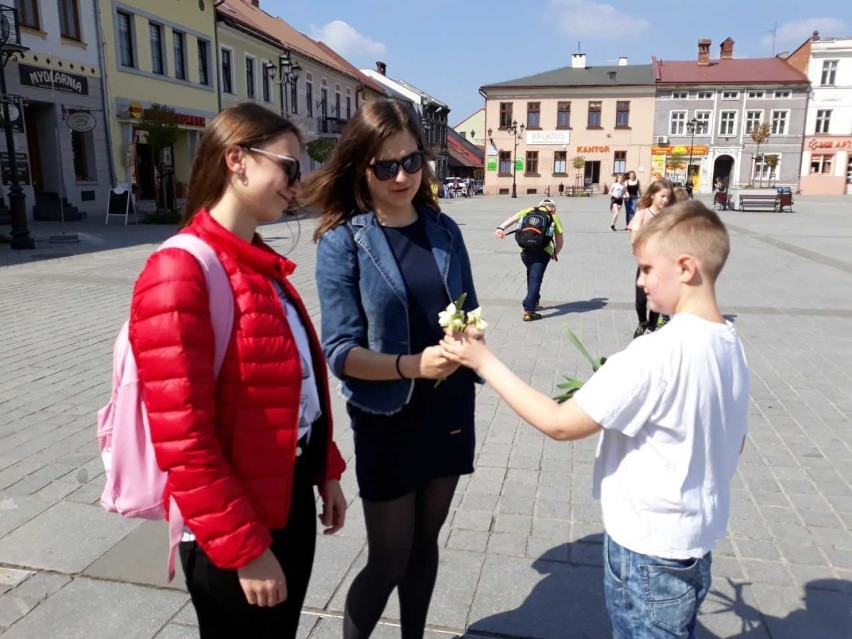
229, 445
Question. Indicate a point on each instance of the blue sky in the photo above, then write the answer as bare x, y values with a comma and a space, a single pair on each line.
450, 48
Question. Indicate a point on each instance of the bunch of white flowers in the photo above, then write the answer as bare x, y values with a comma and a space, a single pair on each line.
453, 319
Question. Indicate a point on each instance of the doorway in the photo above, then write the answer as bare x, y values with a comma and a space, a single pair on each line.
34, 149
723, 168
145, 179
592, 173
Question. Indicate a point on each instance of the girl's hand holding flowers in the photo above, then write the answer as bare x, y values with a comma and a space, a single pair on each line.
460, 327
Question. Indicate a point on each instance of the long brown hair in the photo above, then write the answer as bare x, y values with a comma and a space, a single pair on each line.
245, 124
339, 189
656, 187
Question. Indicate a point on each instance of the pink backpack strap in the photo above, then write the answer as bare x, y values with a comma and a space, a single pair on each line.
222, 317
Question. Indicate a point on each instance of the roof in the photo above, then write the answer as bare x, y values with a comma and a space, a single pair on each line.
461, 153
274, 30
628, 75
729, 71
353, 70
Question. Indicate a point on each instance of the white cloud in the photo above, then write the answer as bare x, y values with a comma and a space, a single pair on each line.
796, 32
586, 19
344, 39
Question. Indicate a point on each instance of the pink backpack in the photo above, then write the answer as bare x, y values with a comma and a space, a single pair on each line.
135, 485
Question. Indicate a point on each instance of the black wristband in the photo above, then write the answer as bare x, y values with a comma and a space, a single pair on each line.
500, 228
398, 369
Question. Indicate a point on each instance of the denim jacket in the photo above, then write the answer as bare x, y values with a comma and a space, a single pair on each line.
364, 301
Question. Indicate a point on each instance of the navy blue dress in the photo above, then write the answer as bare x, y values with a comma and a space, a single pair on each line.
433, 435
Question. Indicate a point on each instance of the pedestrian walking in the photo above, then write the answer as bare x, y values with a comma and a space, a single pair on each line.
388, 262
242, 449
616, 198
634, 188
541, 229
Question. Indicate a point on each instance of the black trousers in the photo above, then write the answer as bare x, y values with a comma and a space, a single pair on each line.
645, 316
219, 601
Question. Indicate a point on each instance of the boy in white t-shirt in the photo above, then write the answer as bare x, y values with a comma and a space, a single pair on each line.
672, 412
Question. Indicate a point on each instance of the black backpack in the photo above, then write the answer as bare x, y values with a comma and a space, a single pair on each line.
535, 230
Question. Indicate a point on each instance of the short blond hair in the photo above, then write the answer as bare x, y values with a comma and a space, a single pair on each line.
679, 194
691, 228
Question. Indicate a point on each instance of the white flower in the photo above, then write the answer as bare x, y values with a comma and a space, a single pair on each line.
474, 318
445, 317
457, 325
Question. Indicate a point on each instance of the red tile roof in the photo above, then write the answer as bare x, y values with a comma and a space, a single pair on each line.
733, 71
353, 70
462, 154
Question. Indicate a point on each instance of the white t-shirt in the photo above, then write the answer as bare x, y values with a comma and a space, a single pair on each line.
617, 190
674, 408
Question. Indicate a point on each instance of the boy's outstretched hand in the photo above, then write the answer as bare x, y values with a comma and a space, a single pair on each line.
467, 349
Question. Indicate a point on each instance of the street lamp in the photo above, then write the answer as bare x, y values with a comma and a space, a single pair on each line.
690, 128
288, 73
10, 44
517, 133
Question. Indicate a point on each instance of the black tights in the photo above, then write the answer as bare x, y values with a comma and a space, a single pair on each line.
402, 541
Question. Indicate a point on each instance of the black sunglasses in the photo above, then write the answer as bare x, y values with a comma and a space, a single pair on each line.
291, 166
388, 169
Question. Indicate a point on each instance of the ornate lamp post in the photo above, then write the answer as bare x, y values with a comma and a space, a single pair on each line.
517, 133
10, 44
288, 74
690, 128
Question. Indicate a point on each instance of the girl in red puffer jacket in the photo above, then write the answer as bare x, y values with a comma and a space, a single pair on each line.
244, 449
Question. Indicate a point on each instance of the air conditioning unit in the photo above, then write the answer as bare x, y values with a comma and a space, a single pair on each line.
662, 139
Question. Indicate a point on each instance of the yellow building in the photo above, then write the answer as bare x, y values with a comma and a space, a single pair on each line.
158, 52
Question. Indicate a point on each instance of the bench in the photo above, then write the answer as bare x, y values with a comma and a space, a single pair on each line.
585, 191
758, 202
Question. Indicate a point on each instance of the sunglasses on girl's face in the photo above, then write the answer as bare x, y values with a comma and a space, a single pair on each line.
388, 169
291, 166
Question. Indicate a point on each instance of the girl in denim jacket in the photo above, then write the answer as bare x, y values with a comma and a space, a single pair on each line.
388, 262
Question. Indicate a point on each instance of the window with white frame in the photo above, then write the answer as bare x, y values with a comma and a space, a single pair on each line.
294, 97
265, 80
783, 94
730, 95
560, 159
823, 120
753, 119
155, 35
821, 164
779, 122
677, 122
829, 73
348, 103
203, 62
337, 112
126, 51
680, 95
762, 168
69, 20
309, 94
702, 122
705, 95
619, 162
728, 123
227, 70
179, 51
251, 67
28, 14
755, 94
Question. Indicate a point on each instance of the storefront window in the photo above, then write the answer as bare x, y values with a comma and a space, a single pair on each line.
821, 164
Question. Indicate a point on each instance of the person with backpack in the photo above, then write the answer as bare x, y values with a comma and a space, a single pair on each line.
539, 236
243, 441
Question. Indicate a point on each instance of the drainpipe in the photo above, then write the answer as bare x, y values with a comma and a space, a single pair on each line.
105, 91
216, 5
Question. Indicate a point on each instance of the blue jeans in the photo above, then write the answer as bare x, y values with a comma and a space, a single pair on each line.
630, 207
651, 597
536, 264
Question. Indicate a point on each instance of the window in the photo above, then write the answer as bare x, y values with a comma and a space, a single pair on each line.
622, 115
348, 103
680, 95
763, 171
82, 147
179, 49
266, 81
728, 125
203, 63
821, 164
753, 119
505, 115
563, 115
323, 98
823, 120
533, 115
782, 94
730, 95
155, 35
702, 123
779, 122
532, 162
69, 20
619, 162
829, 73
294, 97
705, 95
505, 167
337, 100
756, 94
125, 39
309, 94
560, 162
250, 65
227, 71
594, 121
27, 13
677, 122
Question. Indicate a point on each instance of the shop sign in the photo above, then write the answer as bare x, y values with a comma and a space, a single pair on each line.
548, 137
22, 166
81, 121
680, 149
137, 112
53, 79
491, 163
519, 164
593, 149
15, 118
845, 143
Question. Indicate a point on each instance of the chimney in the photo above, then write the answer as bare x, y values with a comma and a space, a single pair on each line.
255, 3
578, 60
815, 36
726, 50
704, 52
622, 61
381, 67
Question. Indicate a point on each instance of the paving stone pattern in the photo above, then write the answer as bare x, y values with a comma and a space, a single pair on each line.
521, 550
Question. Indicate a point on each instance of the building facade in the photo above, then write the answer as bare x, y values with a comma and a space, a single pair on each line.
574, 127
707, 108
827, 156
158, 52
473, 127
56, 88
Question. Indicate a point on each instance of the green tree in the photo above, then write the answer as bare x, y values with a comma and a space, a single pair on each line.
759, 135
578, 163
320, 150
161, 123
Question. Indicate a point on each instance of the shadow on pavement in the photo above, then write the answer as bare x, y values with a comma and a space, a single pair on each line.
579, 306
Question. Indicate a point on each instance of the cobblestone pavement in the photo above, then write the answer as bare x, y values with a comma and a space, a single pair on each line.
521, 549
